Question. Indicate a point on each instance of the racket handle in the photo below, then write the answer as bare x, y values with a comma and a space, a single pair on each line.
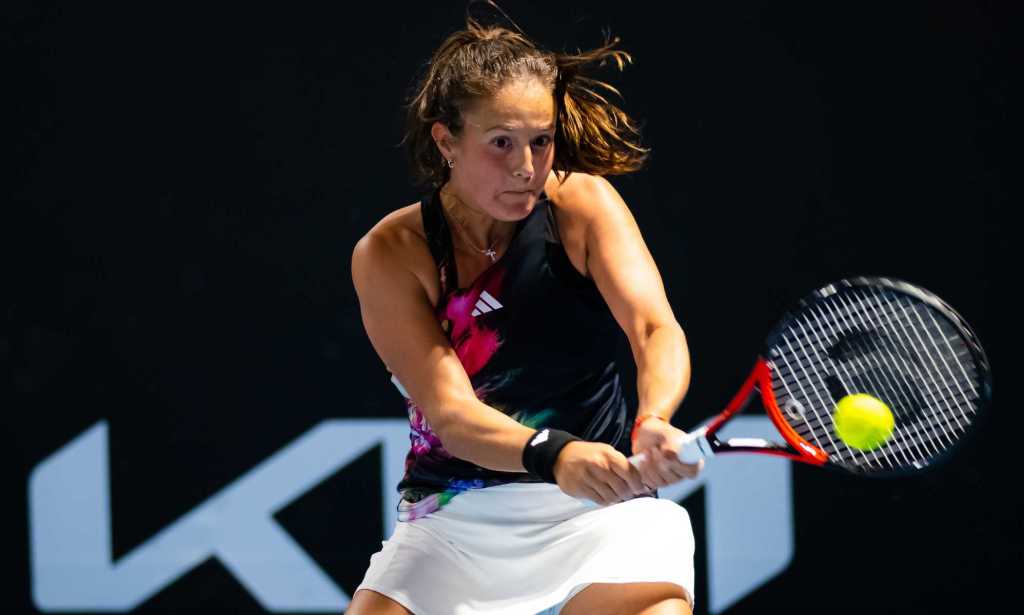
693, 447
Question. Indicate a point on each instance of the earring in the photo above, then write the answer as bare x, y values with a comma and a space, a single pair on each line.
451, 164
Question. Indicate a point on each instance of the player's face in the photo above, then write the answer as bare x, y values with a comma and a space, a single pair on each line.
505, 151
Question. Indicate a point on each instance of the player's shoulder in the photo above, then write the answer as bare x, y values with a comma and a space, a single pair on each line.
396, 242
582, 197
395, 232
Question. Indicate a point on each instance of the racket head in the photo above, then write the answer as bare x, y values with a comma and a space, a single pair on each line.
890, 339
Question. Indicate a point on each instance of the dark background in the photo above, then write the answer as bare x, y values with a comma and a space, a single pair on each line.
185, 186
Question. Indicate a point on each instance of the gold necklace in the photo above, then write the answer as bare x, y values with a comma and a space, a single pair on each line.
488, 252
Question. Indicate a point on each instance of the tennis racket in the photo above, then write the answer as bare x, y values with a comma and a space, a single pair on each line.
884, 337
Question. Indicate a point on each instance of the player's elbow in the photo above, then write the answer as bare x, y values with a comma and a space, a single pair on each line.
668, 326
676, 338
649, 341
647, 330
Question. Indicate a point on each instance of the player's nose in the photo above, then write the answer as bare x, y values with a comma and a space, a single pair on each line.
524, 166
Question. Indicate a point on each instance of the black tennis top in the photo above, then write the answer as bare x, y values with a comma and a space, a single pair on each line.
538, 342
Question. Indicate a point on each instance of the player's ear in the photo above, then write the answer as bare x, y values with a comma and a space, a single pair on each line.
444, 140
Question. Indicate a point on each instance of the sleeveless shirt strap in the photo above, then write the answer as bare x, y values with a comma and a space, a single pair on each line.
439, 239
559, 261
551, 232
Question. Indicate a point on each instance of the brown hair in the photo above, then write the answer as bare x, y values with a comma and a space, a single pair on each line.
592, 135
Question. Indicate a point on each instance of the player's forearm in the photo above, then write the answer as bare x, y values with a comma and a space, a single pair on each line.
663, 370
485, 436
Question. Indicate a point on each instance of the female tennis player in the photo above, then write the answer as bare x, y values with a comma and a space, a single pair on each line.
497, 303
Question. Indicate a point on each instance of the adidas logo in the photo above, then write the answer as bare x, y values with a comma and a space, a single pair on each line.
486, 303
540, 438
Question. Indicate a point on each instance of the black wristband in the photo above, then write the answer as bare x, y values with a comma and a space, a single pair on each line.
541, 452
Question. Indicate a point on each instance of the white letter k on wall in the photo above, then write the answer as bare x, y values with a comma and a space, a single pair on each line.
70, 527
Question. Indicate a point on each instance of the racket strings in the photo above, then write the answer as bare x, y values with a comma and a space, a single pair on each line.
946, 388
842, 451
889, 345
946, 369
914, 334
947, 384
824, 392
872, 377
912, 440
907, 439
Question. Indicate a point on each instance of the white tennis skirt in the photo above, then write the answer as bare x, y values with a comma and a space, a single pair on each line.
526, 548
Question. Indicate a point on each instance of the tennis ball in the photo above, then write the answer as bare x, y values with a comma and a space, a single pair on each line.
863, 421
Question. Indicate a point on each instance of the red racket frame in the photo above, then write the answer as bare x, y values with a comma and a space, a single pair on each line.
761, 378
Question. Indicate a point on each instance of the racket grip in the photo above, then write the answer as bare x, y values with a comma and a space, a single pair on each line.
693, 447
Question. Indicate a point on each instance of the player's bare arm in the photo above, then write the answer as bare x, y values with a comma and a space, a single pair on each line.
399, 320
602, 236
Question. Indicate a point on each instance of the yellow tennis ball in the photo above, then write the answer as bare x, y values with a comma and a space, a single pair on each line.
863, 421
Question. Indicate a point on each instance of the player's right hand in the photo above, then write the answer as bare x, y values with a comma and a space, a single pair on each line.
597, 472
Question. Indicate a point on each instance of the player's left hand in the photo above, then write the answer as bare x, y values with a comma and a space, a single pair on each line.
659, 441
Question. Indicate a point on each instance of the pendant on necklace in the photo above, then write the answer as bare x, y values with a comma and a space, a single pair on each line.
492, 254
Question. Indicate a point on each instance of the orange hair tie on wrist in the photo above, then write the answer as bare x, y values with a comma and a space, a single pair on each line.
641, 419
